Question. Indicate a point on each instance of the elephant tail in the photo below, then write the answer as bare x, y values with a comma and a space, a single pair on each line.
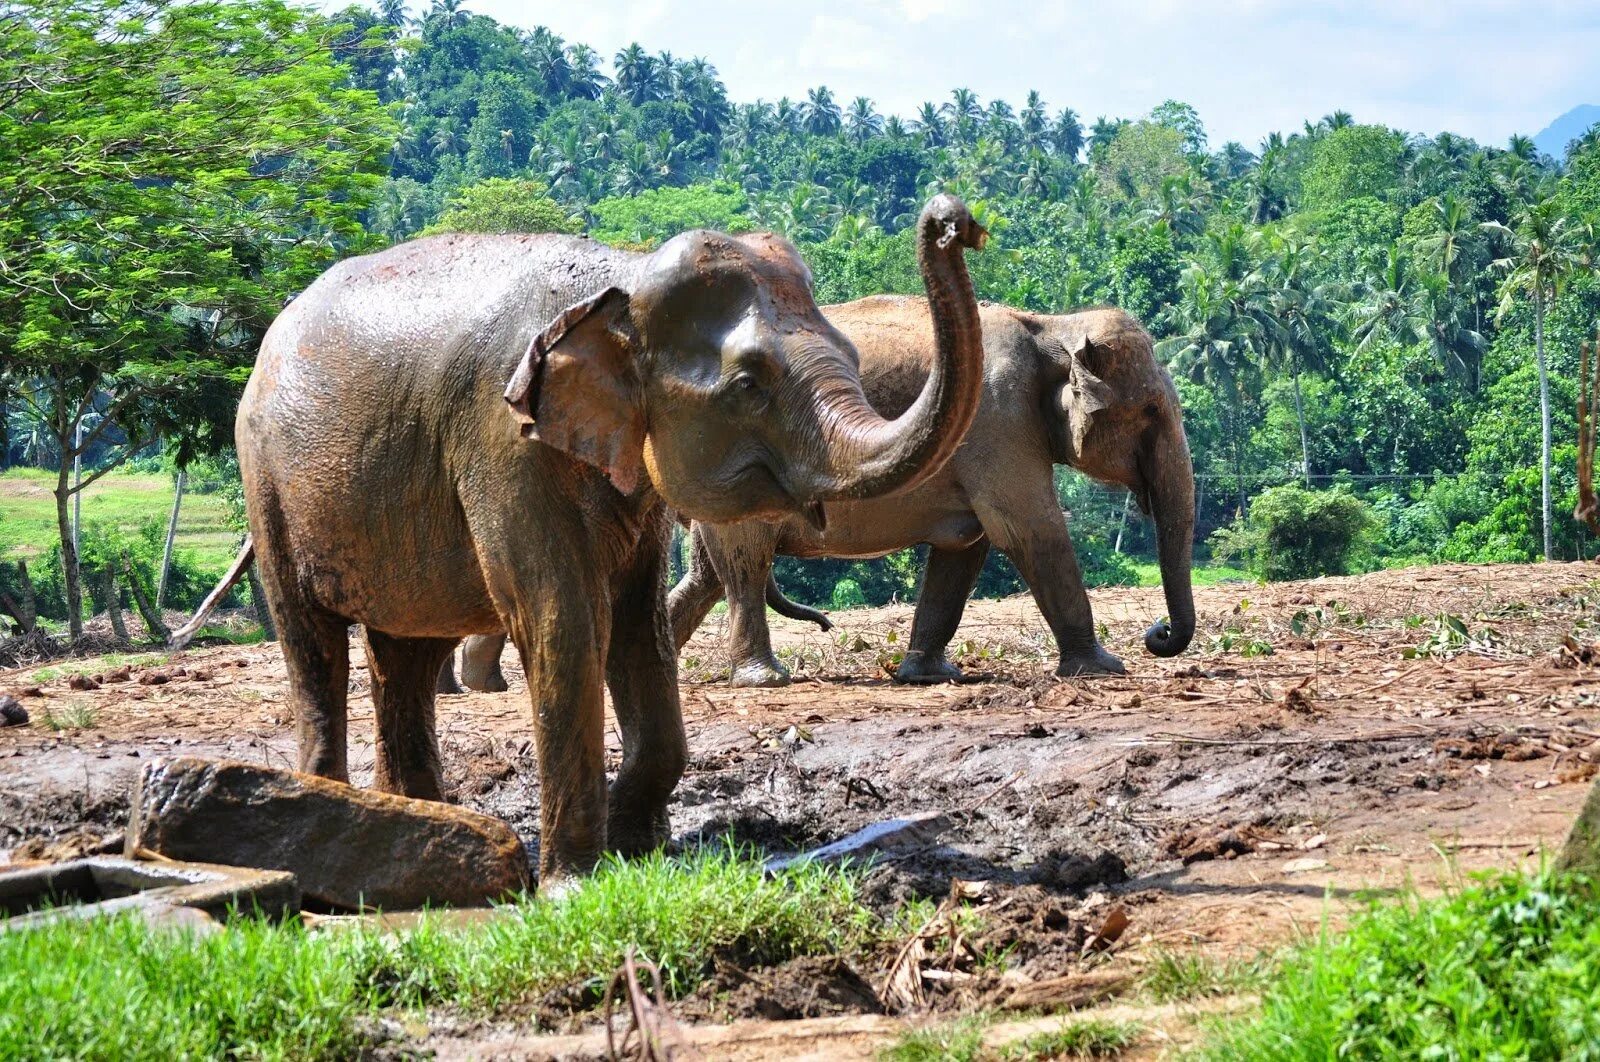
780, 604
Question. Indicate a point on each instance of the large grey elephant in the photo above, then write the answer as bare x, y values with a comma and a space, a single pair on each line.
389, 484
1082, 389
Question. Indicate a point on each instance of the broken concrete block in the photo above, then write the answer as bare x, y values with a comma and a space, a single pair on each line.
187, 895
350, 848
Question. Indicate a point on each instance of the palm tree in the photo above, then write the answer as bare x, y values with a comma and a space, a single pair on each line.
865, 123
1067, 132
393, 13
1179, 206
821, 113
1236, 160
638, 75
446, 138
1213, 338
1103, 132
548, 55
1300, 314
447, 14
1033, 122
930, 126
1544, 246
584, 79
962, 112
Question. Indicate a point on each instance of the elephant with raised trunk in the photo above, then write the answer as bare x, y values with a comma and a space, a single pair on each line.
471, 434
1082, 389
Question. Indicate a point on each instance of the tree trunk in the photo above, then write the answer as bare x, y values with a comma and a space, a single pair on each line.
1544, 416
1127, 500
71, 573
1300, 418
258, 601
155, 628
172, 532
113, 595
26, 609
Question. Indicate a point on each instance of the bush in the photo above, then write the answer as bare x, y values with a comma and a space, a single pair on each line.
847, 594
1295, 533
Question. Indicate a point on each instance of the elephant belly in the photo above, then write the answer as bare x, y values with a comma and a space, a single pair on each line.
862, 530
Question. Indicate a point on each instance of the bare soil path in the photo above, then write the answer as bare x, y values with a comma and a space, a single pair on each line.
1325, 738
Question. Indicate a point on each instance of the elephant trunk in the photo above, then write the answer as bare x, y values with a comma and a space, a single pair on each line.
870, 456
1172, 505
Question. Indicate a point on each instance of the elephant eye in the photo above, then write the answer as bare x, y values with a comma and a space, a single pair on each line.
746, 389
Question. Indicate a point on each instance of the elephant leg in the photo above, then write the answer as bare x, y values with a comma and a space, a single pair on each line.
642, 673
480, 663
560, 629
695, 593
742, 556
404, 672
946, 584
316, 655
1049, 566
446, 682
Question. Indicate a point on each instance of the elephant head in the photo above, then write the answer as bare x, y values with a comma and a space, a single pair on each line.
714, 370
1114, 415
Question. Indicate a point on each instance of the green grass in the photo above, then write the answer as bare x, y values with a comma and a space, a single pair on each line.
121, 499
962, 1041
1175, 977
75, 715
115, 989
1509, 969
1085, 1038
1203, 575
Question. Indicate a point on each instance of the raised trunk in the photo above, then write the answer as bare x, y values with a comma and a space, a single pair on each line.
870, 456
1172, 506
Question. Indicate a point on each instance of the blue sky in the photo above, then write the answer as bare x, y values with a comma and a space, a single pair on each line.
1483, 68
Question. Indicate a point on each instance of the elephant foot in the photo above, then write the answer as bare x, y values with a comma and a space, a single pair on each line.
919, 667
760, 674
1099, 662
632, 833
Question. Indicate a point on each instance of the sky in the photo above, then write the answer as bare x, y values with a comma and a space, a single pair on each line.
1480, 68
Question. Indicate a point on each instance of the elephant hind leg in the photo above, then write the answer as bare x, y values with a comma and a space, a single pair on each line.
404, 672
946, 585
695, 593
480, 663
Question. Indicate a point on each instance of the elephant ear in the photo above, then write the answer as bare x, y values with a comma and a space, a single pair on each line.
578, 389
1084, 394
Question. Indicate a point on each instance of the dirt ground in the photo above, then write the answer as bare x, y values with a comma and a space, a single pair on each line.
1320, 742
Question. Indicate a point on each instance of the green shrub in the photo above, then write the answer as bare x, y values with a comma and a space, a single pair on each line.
1295, 533
847, 594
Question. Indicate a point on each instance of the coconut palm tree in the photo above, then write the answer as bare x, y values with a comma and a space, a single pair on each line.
821, 115
1033, 123
865, 122
1067, 133
584, 79
639, 76
929, 124
447, 14
1543, 248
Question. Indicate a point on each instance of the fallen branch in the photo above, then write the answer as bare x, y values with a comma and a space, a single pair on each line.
651, 1034
185, 634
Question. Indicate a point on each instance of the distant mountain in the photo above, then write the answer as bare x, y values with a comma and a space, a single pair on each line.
1570, 126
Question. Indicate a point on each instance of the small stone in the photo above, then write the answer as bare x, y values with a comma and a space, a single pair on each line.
12, 713
348, 847
82, 682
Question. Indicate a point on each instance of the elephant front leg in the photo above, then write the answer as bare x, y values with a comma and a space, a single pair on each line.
1049, 565
562, 642
946, 584
642, 672
742, 558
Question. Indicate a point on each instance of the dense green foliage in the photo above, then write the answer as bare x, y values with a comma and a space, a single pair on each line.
1507, 970
1295, 533
1345, 302
115, 989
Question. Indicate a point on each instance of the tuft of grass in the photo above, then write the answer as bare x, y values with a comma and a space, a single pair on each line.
1175, 977
957, 1041
1085, 1038
113, 988
1507, 969
74, 715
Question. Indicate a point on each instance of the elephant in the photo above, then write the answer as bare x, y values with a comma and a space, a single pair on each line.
1082, 389
466, 434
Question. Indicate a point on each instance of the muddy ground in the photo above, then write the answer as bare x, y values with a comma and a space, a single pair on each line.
1334, 737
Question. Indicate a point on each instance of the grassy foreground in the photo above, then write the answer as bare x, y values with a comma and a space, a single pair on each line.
1506, 970
114, 989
